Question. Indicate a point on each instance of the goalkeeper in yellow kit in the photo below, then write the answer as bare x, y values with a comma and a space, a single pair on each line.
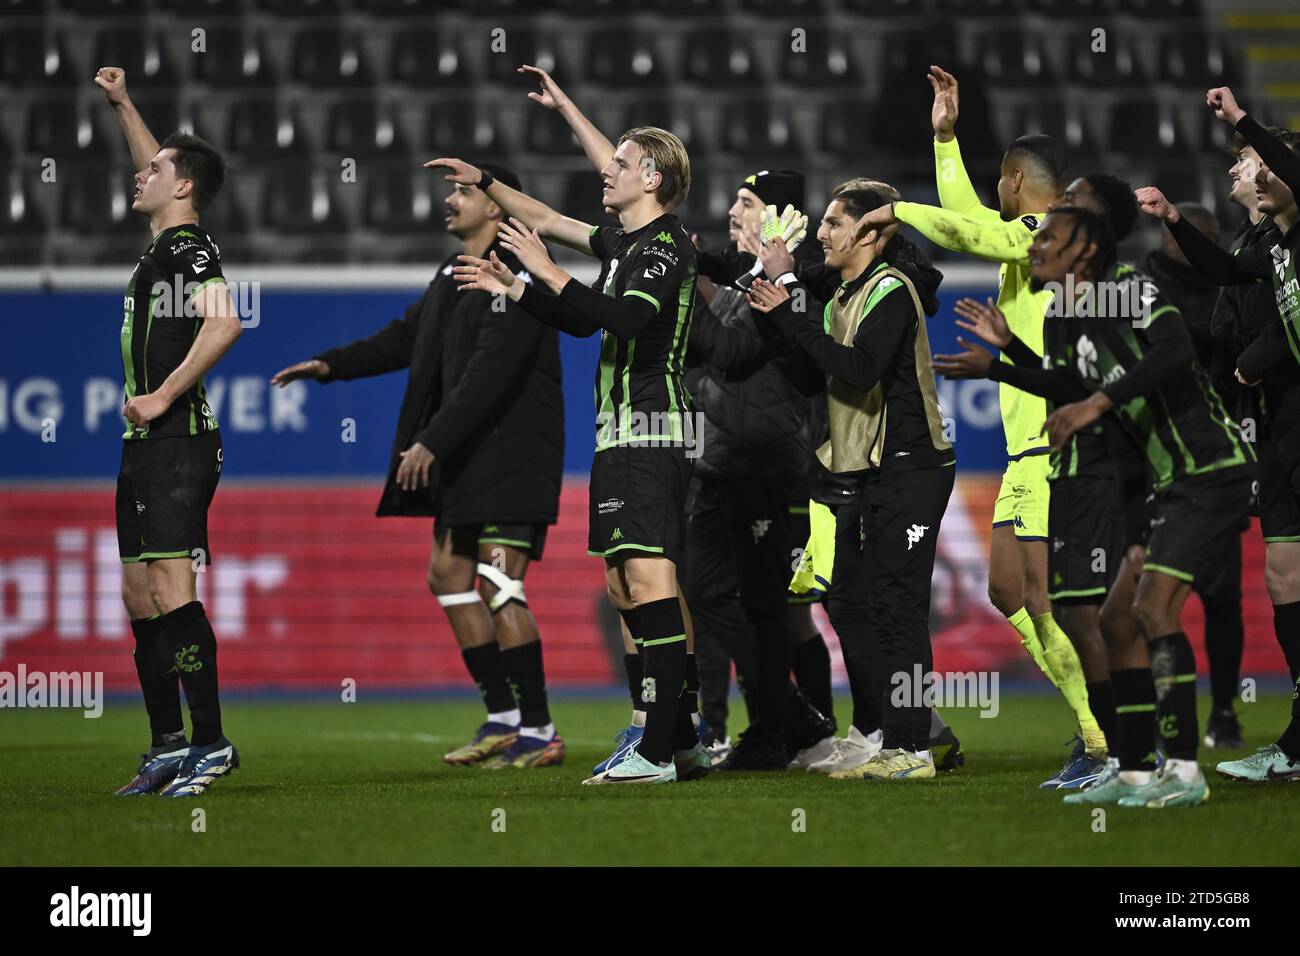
1032, 177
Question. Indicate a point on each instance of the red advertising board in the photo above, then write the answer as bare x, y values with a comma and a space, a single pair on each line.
308, 588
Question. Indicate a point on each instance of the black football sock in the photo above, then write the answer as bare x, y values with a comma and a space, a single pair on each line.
523, 667
663, 648
691, 695
194, 661
1135, 718
162, 692
487, 667
1224, 637
632, 664
1101, 701
1173, 668
1286, 623
812, 671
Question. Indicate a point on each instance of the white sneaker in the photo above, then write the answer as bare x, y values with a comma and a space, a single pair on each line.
720, 750
851, 751
817, 752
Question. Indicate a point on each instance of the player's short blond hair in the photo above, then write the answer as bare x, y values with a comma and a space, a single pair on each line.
892, 194
663, 153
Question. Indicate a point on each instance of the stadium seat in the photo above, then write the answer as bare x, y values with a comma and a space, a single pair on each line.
782, 8
524, 45
224, 218
546, 132
33, 57
65, 129
1009, 57
426, 57
364, 128
106, 7
827, 60
760, 129
1214, 135
1194, 58
233, 58
19, 214
1118, 66
139, 51
298, 8
162, 114
843, 128
301, 202
210, 7
265, 127
666, 114
1142, 126
1070, 9
399, 199
719, 58
328, 57
980, 8
454, 129
623, 58
1055, 117
685, 8
1162, 9
99, 198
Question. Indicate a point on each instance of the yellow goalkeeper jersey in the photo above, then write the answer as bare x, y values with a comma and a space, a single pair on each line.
963, 224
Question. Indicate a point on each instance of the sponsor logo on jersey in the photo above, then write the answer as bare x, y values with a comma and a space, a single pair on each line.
609, 506
656, 270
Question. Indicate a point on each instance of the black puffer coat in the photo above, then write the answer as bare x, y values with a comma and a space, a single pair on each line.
483, 394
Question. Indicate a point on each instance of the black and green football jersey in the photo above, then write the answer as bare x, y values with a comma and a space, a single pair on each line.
1179, 423
158, 327
640, 393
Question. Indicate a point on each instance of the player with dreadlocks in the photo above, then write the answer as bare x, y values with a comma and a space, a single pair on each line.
1141, 373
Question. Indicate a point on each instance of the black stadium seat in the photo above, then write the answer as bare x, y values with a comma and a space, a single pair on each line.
233, 58
224, 217
1013, 58
547, 133
666, 114
141, 52
759, 129
399, 199
327, 57
301, 202
33, 57
1142, 126
843, 127
426, 57
524, 45
1054, 117
719, 58
211, 7
827, 60
454, 128
623, 58
19, 215
364, 128
881, 8
1194, 58
1119, 65
65, 128
264, 127
101, 196
582, 197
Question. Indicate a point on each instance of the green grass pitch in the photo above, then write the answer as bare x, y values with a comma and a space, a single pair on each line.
363, 784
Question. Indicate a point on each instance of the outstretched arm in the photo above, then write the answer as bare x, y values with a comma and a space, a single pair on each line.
1209, 258
995, 240
956, 192
534, 213
112, 80
599, 150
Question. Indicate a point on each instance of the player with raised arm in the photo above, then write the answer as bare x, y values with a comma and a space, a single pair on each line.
1273, 257
479, 447
179, 321
1032, 177
1141, 372
642, 305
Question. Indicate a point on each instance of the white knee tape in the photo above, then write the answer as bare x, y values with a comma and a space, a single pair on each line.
508, 588
464, 597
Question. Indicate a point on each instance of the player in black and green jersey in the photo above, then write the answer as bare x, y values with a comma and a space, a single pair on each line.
1274, 257
179, 320
1140, 371
642, 305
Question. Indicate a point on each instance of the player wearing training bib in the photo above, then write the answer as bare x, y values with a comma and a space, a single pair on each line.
1031, 179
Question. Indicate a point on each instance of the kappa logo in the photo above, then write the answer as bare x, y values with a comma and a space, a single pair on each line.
759, 528
664, 237
617, 535
915, 534
185, 234
609, 506
1281, 262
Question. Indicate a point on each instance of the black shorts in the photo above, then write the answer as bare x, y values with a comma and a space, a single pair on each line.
1279, 505
1085, 521
1198, 522
530, 538
164, 488
637, 501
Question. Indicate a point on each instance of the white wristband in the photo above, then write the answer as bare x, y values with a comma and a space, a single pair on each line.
786, 278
